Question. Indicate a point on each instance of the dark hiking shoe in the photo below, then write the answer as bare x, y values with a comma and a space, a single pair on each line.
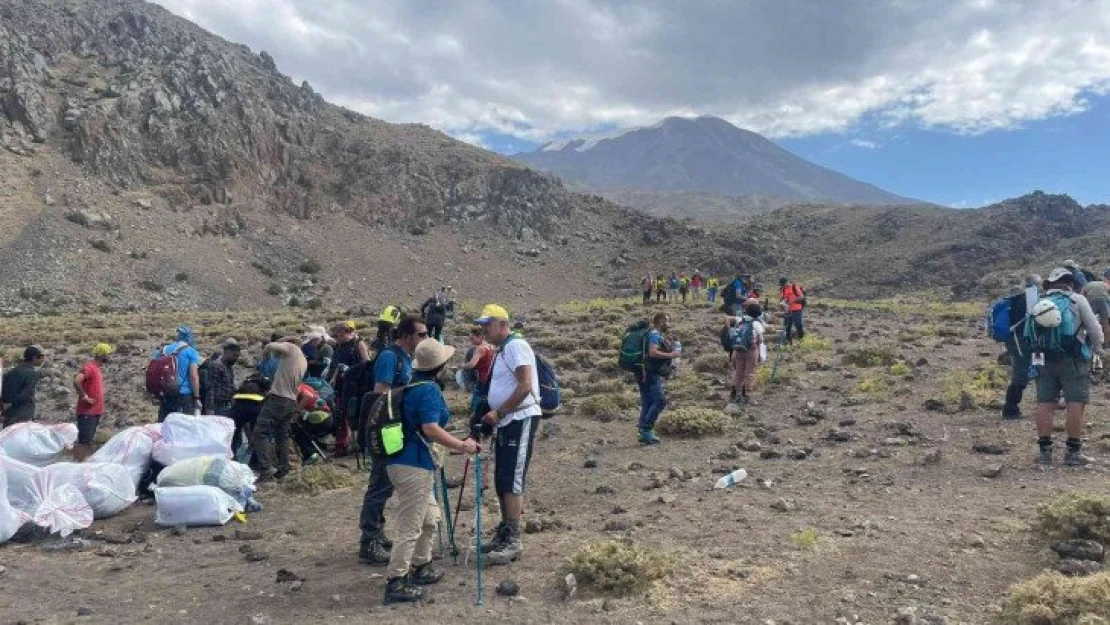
400, 590
1045, 457
1075, 458
386, 543
499, 535
648, 437
425, 575
373, 553
280, 474
265, 475
1012, 415
508, 552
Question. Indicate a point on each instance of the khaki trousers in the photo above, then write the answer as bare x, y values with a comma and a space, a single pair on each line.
416, 516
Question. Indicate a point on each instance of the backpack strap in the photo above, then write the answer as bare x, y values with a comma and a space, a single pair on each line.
533, 394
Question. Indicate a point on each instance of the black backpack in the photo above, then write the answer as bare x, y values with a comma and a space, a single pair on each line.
385, 423
359, 398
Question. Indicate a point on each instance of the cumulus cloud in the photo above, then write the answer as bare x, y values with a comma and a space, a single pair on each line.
537, 70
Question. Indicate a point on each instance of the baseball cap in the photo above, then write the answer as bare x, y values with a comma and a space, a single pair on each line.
492, 312
102, 349
350, 325
32, 352
1058, 274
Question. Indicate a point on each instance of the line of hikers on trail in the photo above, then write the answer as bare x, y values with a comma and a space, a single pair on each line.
1054, 331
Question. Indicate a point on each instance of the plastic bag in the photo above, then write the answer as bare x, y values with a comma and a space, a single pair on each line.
762, 352
185, 437
131, 449
53, 504
108, 487
37, 443
23, 490
11, 519
229, 476
194, 505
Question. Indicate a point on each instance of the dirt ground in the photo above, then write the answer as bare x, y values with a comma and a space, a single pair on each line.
901, 508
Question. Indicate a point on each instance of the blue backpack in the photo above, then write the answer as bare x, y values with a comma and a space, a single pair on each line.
1061, 341
1005, 316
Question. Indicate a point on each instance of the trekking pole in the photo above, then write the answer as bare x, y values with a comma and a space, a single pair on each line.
478, 519
462, 487
447, 513
778, 353
439, 523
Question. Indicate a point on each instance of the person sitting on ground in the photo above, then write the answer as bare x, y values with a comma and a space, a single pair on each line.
514, 413
392, 369
89, 384
272, 431
745, 361
246, 404
187, 400
793, 303
1097, 293
657, 362
218, 379
1066, 364
312, 421
412, 473
390, 317
350, 350
660, 288
434, 311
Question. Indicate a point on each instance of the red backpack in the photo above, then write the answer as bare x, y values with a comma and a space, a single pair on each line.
161, 374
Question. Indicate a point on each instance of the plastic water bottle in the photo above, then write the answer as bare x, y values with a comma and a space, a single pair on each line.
731, 479
677, 350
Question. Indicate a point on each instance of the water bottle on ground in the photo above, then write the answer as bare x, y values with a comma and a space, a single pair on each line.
731, 479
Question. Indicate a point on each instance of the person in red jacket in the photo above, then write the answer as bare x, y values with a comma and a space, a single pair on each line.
89, 384
793, 303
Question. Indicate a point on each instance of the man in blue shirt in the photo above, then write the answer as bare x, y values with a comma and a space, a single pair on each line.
187, 400
657, 362
392, 369
412, 473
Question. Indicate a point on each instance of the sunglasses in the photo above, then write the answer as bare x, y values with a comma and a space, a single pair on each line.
422, 335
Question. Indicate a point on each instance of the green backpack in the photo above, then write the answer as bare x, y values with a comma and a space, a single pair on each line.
634, 345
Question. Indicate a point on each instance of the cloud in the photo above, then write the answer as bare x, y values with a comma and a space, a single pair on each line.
538, 70
863, 143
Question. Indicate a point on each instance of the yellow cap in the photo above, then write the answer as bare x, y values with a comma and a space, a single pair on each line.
102, 349
492, 312
350, 324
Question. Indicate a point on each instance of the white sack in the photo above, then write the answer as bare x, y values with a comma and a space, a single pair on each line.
194, 505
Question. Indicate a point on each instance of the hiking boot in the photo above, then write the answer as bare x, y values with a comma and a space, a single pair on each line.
499, 533
507, 552
265, 475
386, 543
1012, 414
1045, 457
280, 474
425, 575
1075, 458
401, 590
373, 553
648, 437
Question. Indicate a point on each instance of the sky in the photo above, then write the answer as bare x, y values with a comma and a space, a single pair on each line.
957, 102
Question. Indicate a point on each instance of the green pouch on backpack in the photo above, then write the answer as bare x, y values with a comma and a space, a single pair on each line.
393, 438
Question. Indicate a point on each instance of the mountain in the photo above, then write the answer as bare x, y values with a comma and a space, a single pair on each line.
703, 167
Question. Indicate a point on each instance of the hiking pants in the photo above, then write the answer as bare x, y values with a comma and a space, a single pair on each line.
660, 295
19, 414
793, 320
647, 296
743, 370
652, 400
712, 295
417, 518
303, 440
372, 519
244, 413
272, 431
184, 404
435, 330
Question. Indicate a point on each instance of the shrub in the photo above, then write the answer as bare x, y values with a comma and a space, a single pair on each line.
309, 266
317, 478
274, 289
620, 567
606, 404
688, 421
867, 357
717, 362
314, 303
100, 244
138, 254
77, 217
873, 385
263, 269
181, 276
1051, 598
968, 388
1076, 515
805, 539
900, 369
813, 343
152, 286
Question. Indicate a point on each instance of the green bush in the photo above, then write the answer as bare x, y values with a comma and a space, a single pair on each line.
717, 362
1053, 599
309, 266
606, 404
314, 304
693, 422
618, 567
867, 357
1076, 515
181, 276
78, 218
263, 269
101, 245
152, 286
274, 289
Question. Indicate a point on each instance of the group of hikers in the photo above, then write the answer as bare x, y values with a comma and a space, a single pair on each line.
679, 286
1054, 331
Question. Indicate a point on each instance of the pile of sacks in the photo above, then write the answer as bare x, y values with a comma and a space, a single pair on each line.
186, 461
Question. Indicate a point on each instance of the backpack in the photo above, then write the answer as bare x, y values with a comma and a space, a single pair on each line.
1061, 341
204, 376
323, 389
161, 374
359, 398
634, 347
742, 335
385, 423
1004, 316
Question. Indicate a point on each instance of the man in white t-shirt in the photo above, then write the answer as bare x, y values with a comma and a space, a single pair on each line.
514, 399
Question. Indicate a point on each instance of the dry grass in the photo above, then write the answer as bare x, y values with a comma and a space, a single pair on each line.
868, 357
692, 422
317, 478
1053, 599
1076, 515
969, 388
618, 567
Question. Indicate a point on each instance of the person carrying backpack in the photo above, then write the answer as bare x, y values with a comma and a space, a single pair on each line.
793, 304
646, 285
350, 350
1061, 334
390, 317
1007, 325
1097, 293
660, 288
746, 336
246, 405
183, 395
673, 284
683, 287
658, 364
711, 287
697, 283
434, 312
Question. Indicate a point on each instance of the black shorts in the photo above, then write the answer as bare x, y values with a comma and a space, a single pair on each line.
512, 453
86, 428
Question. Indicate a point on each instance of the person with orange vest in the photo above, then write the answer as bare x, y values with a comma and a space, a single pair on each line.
793, 303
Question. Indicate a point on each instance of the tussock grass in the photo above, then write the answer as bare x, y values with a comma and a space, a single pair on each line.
969, 388
813, 344
1076, 515
805, 539
716, 362
317, 478
618, 567
1053, 599
871, 356
607, 404
692, 422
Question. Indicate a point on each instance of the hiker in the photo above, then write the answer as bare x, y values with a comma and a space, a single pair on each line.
683, 287
478, 366
514, 414
736, 292
657, 365
267, 365
1011, 331
187, 399
434, 312
697, 283
646, 285
1061, 335
350, 350
19, 385
246, 405
673, 284
793, 302
317, 349
712, 284
412, 472
390, 317
392, 369
747, 334
1081, 277
660, 288
271, 433
217, 377
89, 384
1097, 293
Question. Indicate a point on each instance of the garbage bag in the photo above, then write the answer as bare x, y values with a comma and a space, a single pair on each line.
130, 448
108, 487
37, 443
193, 506
185, 436
11, 519
233, 478
48, 502
23, 491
